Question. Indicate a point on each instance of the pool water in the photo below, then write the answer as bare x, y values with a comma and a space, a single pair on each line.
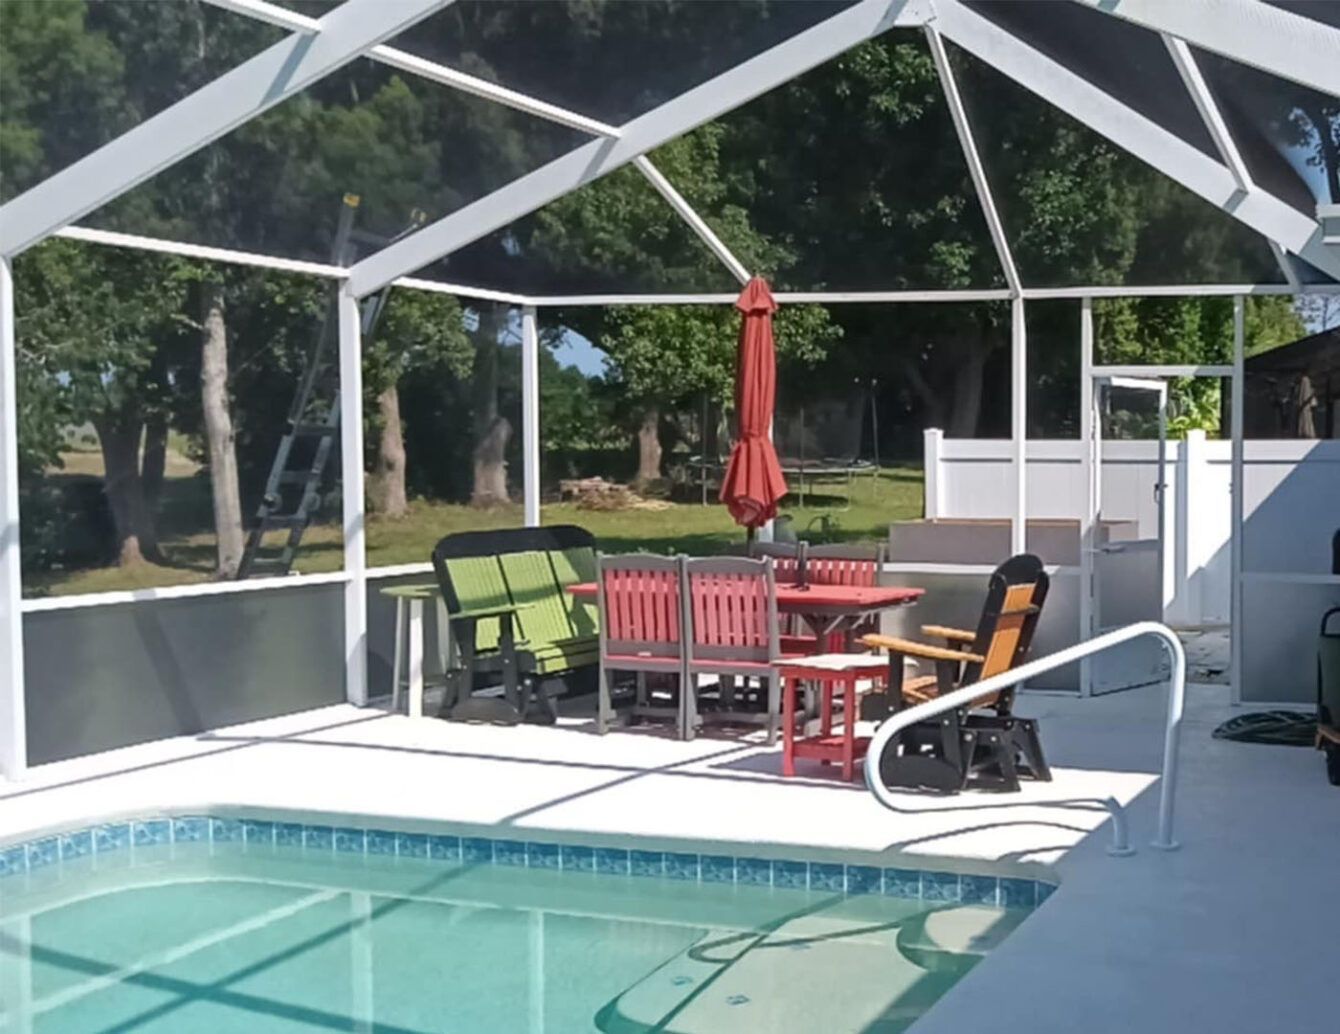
192, 938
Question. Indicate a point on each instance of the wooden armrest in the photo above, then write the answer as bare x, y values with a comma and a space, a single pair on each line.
915, 649
952, 635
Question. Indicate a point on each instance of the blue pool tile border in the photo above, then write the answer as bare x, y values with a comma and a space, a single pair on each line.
120, 841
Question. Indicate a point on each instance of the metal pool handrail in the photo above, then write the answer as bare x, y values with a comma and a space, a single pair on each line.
961, 697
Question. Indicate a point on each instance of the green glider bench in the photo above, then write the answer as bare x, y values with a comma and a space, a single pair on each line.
513, 621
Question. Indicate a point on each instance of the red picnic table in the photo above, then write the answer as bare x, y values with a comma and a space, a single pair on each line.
824, 608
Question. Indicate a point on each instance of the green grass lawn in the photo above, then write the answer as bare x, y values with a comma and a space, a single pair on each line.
681, 527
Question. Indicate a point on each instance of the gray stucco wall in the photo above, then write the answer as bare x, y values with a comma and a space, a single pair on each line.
99, 678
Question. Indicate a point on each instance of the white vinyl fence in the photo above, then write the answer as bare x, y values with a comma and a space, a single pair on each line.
968, 477
1291, 510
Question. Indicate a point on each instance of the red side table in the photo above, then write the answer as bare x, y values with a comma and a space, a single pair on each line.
829, 671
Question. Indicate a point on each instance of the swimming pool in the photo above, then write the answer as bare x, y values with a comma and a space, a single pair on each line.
210, 924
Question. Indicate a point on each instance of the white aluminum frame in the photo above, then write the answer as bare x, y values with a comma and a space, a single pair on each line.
13, 715
696, 222
353, 499
253, 87
1150, 379
1268, 38
674, 118
1142, 137
1019, 424
43, 604
425, 69
230, 256
530, 416
1252, 33
963, 127
1236, 498
1089, 518
1189, 70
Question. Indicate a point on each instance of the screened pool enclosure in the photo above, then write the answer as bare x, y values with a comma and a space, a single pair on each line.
205, 204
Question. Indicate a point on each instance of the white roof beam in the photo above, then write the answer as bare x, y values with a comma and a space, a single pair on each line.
256, 85
431, 70
696, 222
965, 138
587, 163
229, 256
1272, 39
1142, 137
425, 69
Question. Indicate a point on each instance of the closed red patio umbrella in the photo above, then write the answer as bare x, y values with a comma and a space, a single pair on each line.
753, 485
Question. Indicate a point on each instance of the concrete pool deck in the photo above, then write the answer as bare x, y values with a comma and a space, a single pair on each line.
1228, 934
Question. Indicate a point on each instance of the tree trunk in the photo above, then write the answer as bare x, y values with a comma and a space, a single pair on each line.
649, 446
967, 406
219, 430
119, 438
388, 479
492, 430
153, 467
491, 465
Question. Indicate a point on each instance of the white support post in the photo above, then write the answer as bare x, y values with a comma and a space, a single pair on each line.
13, 718
934, 488
237, 96
530, 415
1019, 425
1237, 496
355, 517
1092, 474
1193, 494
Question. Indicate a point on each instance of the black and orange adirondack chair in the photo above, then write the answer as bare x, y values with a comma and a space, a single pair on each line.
983, 742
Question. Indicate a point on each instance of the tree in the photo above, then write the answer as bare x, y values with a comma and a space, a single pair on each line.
61, 81
492, 430
108, 328
164, 57
419, 333
620, 232
668, 355
1189, 331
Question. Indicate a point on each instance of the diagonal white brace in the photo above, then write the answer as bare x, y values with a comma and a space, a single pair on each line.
963, 127
235, 97
1195, 84
425, 69
696, 222
1148, 141
587, 163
